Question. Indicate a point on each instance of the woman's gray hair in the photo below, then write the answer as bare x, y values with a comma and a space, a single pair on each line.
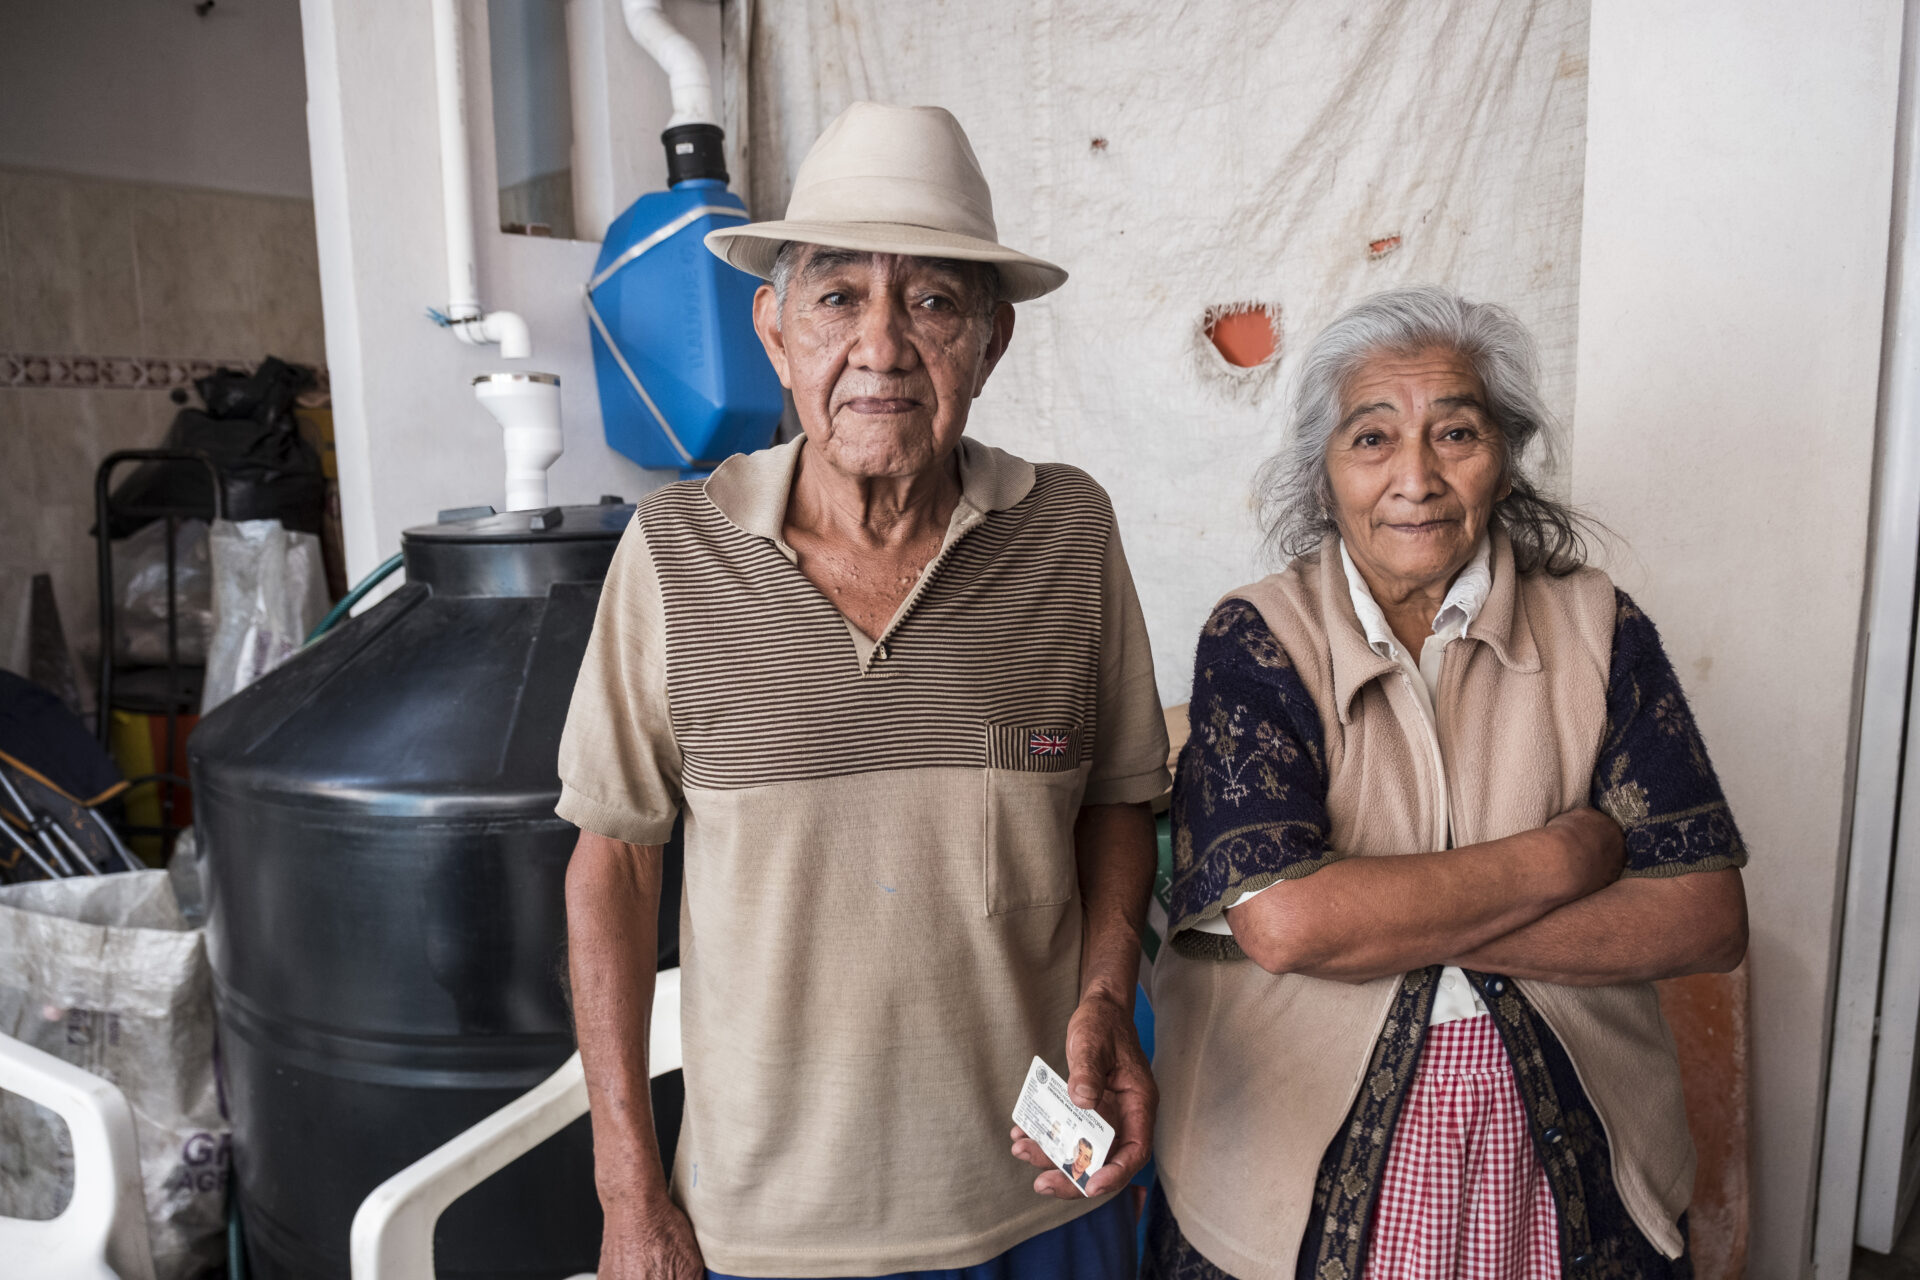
1296, 498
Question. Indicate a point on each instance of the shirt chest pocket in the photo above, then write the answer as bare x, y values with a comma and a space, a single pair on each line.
1035, 778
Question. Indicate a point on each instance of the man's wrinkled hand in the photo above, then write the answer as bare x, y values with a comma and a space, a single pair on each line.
1106, 1072
655, 1244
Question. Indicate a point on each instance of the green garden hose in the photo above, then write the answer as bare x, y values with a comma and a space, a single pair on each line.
353, 597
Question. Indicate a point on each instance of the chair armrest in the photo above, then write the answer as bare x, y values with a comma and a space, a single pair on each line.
103, 1230
392, 1236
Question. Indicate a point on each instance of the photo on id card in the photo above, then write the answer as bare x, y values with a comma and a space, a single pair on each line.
1075, 1140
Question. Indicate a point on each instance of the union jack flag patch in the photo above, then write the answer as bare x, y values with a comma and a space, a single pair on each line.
1051, 749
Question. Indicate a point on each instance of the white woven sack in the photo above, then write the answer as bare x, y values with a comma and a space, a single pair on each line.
104, 973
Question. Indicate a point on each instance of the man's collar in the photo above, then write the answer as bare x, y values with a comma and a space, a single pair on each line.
992, 479
751, 489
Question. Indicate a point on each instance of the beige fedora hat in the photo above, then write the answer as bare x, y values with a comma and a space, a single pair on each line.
885, 179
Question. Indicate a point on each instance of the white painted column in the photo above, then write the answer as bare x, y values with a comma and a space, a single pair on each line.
1873, 1025
1733, 271
339, 296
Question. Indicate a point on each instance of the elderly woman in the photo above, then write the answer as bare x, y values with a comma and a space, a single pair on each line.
1442, 819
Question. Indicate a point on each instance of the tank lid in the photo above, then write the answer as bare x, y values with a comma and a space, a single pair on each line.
477, 551
604, 521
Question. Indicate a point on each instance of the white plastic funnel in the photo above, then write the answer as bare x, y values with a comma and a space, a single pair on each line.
527, 406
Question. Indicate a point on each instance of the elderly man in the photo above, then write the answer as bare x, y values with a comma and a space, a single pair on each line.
898, 684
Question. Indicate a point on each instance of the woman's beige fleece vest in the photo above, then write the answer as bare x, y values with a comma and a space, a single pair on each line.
1257, 1071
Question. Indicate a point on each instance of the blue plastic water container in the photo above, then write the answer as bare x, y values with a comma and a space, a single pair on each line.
684, 382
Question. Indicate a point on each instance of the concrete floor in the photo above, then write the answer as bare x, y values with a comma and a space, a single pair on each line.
1902, 1264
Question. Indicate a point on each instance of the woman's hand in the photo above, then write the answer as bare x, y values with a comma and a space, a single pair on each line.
1593, 847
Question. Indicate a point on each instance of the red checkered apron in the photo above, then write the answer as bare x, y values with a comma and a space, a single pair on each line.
1463, 1196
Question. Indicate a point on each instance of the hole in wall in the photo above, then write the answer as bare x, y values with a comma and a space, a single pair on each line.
1245, 334
1237, 347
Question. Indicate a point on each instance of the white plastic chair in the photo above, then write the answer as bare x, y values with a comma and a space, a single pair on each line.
393, 1230
102, 1233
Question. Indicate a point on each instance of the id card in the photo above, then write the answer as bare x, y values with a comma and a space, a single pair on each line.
1075, 1140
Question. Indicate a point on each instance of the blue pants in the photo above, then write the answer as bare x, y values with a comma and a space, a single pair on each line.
1094, 1246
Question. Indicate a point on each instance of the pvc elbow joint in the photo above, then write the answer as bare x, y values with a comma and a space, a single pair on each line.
507, 328
510, 330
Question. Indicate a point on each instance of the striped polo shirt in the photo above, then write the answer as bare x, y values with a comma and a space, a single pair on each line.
882, 921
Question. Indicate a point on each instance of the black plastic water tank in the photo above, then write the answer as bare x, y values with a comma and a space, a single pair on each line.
386, 918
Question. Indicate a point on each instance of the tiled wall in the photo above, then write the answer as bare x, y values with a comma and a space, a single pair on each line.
112, 293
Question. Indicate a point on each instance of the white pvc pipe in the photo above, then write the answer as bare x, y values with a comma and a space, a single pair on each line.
456, 191
456, 182
686, 69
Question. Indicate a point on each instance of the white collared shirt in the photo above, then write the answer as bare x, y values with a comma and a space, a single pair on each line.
1456, 998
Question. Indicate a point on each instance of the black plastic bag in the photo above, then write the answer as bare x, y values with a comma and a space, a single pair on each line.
267, 471
265, 396
37, 730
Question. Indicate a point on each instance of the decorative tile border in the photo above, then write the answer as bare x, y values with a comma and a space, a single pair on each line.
119, 373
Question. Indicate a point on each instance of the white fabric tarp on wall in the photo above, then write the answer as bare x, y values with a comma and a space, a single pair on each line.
1177, 158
